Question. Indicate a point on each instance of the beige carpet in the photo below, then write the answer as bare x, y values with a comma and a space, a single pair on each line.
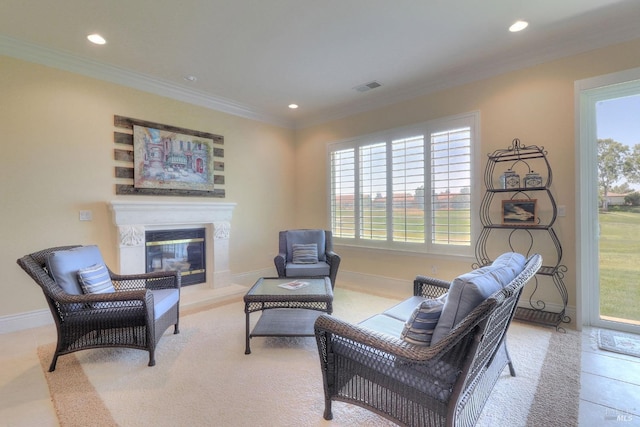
202, 377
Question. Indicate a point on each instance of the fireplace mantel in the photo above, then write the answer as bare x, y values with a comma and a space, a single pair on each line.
134, 218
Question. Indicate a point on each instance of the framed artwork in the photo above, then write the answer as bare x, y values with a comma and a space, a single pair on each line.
168, 160
519, 212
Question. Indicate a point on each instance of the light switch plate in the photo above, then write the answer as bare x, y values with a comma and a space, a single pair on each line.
86, 215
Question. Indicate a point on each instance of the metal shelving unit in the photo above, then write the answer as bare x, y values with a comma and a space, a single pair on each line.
522, 158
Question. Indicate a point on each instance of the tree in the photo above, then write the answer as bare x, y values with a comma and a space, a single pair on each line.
623, 188
632, 199
632, 165
612, 164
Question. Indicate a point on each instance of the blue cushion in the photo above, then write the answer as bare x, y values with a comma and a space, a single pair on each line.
384, 324
420, 326
63, 266
305, 253
469, 290
164, 300
307, 270
306, 237
403, 310
95, 280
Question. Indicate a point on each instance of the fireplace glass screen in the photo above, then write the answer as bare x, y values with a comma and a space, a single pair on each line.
180, 250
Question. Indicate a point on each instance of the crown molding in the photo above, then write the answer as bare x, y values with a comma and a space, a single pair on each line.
68, 62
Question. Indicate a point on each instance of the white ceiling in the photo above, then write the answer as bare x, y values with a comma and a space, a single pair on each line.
254, 57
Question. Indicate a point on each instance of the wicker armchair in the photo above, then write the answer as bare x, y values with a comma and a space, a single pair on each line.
445, 384
327, 263
129, 317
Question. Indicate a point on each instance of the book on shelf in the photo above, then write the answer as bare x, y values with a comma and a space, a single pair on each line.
296, 284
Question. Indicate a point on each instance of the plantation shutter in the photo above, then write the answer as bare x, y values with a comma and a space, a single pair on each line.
373, 191
451, 187
343, 194
408, 190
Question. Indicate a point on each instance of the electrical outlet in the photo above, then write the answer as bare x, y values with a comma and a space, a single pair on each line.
86, 215
434, 269
562, 210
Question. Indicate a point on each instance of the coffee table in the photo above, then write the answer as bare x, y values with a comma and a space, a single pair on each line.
287, 312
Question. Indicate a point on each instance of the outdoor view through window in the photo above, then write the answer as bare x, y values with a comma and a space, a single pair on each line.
618, 131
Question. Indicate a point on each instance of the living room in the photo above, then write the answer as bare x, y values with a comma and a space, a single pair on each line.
58, 160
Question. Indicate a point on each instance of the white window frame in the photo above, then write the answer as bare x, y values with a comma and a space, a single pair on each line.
471, 120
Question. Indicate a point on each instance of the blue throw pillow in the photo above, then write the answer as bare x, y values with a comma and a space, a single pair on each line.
305, 254
420, 326
95, 280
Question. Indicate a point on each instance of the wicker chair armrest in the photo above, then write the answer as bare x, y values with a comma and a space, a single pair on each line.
430, 287
332, 257
126, 295
280, 261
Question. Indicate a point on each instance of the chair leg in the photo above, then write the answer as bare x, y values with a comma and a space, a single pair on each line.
176, 329
512, 370
328, 415
52, 367
152, 358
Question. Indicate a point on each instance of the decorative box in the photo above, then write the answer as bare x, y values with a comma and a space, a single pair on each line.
532, 180
510, 179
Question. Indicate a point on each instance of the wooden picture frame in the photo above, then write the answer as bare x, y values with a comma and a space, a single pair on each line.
520, 212
128, 161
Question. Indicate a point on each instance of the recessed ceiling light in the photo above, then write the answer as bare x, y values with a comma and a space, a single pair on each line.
190, 78
518, 26
293, 106
96, 39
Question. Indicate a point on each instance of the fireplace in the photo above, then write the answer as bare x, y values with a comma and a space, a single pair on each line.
177, 250
134, 219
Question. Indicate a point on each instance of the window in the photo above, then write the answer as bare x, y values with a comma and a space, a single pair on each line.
408, 188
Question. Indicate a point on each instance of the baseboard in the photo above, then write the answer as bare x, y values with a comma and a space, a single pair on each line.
250, 277
28, 320
377, 285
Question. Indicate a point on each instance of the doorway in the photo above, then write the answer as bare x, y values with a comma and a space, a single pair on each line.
608, 251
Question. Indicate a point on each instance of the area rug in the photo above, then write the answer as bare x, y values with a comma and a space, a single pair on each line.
202, 377
619, 342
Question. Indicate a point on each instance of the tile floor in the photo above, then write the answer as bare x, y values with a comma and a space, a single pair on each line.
610, 384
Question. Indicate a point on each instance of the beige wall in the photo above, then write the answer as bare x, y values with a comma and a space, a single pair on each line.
57, 158
535, 104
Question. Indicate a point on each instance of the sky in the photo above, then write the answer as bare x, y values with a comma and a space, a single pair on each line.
619, 119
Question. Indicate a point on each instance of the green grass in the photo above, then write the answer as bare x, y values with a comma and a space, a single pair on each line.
454, 225
620, 264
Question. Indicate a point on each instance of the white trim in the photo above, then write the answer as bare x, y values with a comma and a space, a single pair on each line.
469, 119
27, 320
102, 71
587, 93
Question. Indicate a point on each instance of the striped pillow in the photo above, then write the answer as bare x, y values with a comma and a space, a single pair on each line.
95, 280
419, 328
305, 253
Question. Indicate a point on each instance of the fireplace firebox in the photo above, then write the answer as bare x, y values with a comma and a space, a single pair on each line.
179, 250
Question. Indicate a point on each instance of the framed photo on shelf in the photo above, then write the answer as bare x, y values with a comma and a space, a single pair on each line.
519, 212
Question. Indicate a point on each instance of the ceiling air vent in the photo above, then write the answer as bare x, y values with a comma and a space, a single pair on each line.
367, 86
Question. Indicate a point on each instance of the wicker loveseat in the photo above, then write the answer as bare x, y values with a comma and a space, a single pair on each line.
135, 312
374, 365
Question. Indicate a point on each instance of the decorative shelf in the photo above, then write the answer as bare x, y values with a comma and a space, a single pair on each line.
518, 160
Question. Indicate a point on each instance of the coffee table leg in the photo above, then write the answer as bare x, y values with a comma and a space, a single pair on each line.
247, 348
